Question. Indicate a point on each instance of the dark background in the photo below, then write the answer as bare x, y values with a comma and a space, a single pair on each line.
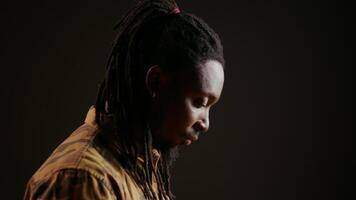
279, 132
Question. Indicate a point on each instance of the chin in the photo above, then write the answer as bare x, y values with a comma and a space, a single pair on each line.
171, 154
169, 151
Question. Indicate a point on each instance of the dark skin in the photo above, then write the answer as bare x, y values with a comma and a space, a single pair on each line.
181, 102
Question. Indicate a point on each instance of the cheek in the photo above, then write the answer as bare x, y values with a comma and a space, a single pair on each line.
183, 124
189, 114
181, 116
178, 120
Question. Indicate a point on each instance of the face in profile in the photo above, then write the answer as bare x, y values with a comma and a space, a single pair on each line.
182, 106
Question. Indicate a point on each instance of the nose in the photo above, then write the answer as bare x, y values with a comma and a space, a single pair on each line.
202, 125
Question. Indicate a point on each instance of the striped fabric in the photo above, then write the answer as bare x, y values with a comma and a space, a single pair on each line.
82, 168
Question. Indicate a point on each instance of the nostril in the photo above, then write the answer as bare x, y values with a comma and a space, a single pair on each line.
201, 127
205, 128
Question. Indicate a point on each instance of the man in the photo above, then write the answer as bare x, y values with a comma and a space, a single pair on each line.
164, 74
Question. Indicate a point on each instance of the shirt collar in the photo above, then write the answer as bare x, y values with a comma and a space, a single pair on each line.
90, 118
155, 158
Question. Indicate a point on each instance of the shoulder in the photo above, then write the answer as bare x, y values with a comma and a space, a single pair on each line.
70, 153
75, 167
70, 184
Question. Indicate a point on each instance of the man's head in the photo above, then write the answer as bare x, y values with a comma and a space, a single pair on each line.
163, 75
181, 102
185, 72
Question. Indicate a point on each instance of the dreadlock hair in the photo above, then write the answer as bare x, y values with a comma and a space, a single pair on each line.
153, 32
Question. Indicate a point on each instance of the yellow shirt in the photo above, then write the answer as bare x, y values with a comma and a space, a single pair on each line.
82, 168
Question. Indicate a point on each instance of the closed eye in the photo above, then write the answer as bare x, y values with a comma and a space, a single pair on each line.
201, 102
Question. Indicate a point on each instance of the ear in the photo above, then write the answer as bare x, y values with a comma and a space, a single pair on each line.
156, 80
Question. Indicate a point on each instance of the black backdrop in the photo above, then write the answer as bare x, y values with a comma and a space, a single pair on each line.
277, 133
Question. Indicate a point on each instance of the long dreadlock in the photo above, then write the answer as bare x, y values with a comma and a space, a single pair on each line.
153, 32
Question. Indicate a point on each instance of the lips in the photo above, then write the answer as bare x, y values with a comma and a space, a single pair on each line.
192, 136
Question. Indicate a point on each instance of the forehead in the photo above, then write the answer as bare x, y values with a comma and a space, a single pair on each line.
207, 78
